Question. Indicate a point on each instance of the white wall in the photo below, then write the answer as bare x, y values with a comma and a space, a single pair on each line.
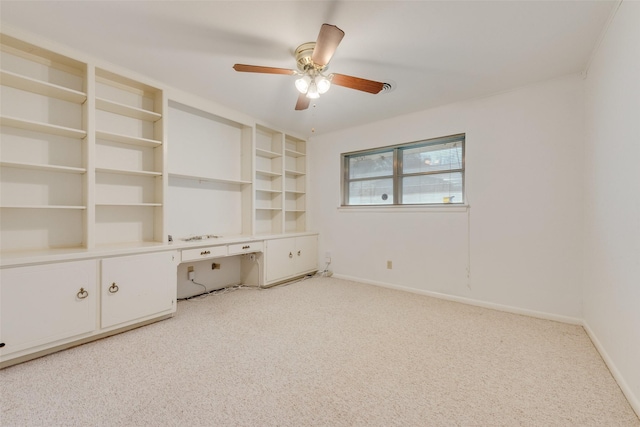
522, 237
612, 200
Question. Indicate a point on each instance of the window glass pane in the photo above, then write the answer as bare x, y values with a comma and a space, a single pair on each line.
432, 158
436, 188
371, 192
371, 165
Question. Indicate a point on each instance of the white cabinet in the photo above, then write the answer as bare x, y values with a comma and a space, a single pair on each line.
137, 286
47, 303
290, 257
46, 306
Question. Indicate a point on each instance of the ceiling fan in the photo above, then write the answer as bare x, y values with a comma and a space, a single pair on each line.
312, 61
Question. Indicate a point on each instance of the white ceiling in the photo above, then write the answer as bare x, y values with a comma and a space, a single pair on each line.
433, 52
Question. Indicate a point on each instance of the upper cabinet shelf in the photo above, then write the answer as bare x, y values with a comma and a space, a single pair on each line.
40, 87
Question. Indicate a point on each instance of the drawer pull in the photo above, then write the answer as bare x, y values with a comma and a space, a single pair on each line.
205, 252
2, 344
113, 288
290, 255
246, 247
82, 294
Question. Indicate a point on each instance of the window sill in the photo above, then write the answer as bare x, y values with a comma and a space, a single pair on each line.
407, 208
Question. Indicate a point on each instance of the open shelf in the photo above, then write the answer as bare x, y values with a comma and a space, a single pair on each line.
268, 173
40, 87
155, 205
209, 179
294, 173
293, 153
50, 168
127, 110
42, 127
43, 207
268, 154
126, 139
129, 172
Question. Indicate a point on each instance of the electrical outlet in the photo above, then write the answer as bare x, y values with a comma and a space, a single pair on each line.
389, 265
215, 266
191, 275
327, 257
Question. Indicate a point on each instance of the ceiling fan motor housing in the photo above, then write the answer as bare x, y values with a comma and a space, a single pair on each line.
303, 58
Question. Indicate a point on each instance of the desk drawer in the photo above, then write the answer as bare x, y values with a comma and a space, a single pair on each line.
204, 253
244, 248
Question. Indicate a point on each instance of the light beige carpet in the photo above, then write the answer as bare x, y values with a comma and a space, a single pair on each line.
323, 352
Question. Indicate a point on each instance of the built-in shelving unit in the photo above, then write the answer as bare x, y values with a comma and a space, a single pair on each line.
295, 184
268, 180
43, 158
129, 160
280, 182
97, 170
90, 158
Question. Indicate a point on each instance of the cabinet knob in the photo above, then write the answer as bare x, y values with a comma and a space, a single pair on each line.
113, 288
290, 255
299, 253
82, 293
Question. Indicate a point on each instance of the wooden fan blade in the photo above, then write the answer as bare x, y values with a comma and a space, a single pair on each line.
303, 102
357, 83
328, 40
259, 69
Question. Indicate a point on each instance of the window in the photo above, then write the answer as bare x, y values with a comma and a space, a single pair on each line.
419, 173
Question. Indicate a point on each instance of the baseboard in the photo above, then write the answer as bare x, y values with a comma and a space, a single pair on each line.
469, 301
633, 400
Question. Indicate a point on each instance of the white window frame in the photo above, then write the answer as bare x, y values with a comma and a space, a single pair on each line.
398, 174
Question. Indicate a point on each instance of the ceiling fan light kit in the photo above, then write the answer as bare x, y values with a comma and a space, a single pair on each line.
312, 60
313, 85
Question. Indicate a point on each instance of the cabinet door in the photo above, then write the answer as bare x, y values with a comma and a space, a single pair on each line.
46, 303
306, 254
137, 286
279, 258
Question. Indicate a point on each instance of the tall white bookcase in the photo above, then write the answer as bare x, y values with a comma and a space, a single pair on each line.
280, 182
44, 153
130, 177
